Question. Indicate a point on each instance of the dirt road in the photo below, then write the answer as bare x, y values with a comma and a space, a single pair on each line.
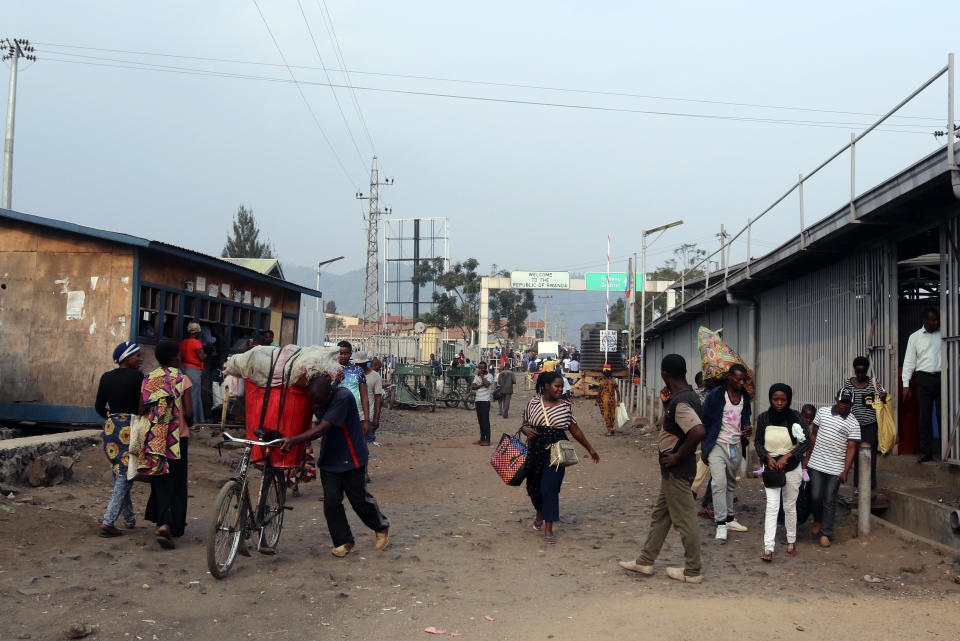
462, 553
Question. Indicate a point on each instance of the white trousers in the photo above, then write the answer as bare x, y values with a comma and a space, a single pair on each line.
789, 494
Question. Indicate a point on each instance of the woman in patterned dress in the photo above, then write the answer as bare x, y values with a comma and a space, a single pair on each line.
547, 419
118, 399
608, 399
165, 401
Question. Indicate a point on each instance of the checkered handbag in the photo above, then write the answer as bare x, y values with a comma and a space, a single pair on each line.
509, 459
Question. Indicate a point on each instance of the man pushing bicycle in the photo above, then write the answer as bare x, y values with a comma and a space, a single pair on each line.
342, 463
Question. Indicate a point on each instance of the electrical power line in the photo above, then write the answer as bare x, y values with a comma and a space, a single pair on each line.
332, 90
134, 65
293, 79
346, 73
600, 92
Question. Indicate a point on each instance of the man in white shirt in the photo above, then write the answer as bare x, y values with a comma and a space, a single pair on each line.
573, 365
921, 361
483, 385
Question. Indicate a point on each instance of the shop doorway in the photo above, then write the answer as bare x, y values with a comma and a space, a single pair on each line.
919, 288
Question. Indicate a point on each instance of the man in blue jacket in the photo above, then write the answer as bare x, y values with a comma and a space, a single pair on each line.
726, 418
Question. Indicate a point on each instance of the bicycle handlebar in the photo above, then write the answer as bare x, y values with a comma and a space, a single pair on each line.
232, 439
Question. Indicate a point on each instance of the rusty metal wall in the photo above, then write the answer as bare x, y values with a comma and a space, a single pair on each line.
950, 331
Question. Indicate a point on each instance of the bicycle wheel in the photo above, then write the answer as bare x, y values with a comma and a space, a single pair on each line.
452, 399
469, 402
270, 509
226, 528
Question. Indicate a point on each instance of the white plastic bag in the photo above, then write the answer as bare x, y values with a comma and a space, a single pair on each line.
622, 416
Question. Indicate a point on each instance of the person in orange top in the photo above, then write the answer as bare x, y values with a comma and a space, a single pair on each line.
192, 358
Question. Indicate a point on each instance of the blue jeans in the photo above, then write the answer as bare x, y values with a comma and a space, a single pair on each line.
120, 502
196, 378
547, 499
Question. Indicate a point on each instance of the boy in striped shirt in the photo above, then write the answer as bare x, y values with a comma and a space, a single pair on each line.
834, 435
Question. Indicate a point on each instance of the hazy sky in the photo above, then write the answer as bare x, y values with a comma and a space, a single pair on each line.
170, 154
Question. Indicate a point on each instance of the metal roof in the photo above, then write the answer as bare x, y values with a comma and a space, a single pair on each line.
915, 197
163, 248
263, 265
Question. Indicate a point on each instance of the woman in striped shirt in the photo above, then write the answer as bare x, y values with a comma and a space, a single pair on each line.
865, 390
547, 419
832, 446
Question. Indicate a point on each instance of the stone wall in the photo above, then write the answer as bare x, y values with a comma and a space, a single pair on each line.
16, 454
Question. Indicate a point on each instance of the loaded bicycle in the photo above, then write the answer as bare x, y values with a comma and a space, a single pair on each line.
236, 517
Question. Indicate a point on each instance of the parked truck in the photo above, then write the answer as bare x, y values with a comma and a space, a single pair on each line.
547, 350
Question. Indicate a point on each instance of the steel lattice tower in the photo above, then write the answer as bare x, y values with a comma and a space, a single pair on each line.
371, 292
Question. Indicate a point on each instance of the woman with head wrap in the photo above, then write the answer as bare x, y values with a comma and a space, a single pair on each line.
608, 398
165, 400
118, 399
781, 441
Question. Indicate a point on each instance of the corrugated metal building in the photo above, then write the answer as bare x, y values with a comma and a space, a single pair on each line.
69, 294
854, 283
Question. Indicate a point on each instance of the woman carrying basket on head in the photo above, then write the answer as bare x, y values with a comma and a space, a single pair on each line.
118, 401
546, 420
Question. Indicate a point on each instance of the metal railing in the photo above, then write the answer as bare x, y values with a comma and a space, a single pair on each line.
643, 401
948, 69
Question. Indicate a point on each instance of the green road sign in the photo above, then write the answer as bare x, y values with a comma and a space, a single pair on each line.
597, 281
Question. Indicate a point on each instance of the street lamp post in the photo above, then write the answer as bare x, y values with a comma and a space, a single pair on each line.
319, 265
643, 300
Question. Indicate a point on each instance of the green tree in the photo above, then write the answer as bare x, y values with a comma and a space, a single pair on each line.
509, 308
458, 304
334, 322
244, 241
330, 307
618, 312
685, 258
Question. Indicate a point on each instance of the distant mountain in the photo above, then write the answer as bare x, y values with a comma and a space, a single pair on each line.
346, 289
577, 308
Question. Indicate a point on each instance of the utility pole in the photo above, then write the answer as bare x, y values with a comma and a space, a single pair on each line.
631, 303
723, 250
15, 49
546, 327
371, 292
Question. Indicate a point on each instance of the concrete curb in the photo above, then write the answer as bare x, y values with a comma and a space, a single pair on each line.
910, 537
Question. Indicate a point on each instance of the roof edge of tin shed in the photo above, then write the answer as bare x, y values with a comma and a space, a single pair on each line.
878, 210
165, 248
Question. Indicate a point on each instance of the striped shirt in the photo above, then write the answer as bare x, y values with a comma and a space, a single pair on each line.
830, 447
862, 396
559, 416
